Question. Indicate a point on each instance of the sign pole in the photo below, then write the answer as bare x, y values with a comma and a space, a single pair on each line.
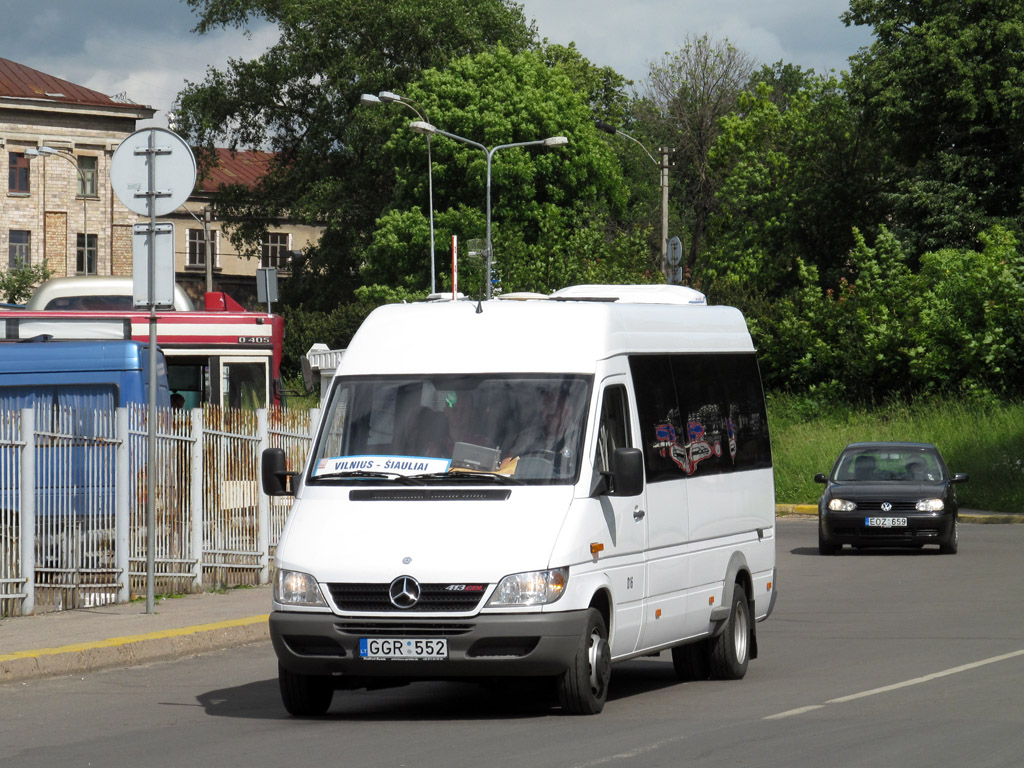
151, 417
132, 168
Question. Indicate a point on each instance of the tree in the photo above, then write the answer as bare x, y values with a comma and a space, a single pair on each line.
944, 84
798, 172
301, 100
691, 91
17, 283
553, 211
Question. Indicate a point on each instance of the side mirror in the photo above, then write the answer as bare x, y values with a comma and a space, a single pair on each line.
820, 478
960, 477
310, 378
274, 473
627, 476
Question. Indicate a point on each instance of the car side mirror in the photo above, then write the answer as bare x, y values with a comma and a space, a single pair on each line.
820, 478
960, 477
274, 473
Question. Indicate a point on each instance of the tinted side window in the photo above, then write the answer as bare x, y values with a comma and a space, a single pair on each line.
700, 414
748, 420
660, 423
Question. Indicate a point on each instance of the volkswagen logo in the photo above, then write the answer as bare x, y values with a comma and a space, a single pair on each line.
404, 592
886, 507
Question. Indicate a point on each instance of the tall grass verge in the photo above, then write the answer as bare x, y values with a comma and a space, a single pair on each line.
983, 438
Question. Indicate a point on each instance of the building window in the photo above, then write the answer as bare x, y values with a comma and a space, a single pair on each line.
197, 248
85, 257
275, 250
86, 176
17, 178
19, 242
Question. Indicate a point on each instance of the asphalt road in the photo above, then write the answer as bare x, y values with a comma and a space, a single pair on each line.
871, 659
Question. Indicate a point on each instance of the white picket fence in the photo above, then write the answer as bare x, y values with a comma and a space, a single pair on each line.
73, 489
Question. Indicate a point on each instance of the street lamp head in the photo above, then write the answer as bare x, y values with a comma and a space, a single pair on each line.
368, 98
36, 151
421, 126
556, 141
388, 96
601, 125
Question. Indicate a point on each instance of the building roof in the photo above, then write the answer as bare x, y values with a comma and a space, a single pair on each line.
245, 167
20, 82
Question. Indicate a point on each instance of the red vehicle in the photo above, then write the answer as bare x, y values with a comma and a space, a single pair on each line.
222, 354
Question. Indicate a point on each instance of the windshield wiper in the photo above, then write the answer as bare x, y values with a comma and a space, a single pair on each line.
457, 474
361, 473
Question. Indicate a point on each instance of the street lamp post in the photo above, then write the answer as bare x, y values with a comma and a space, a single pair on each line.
552, 141
387, 97
663, 166
38, 151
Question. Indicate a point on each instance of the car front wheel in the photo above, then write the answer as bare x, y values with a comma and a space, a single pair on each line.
952, 542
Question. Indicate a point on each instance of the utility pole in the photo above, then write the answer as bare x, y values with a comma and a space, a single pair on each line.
665, 151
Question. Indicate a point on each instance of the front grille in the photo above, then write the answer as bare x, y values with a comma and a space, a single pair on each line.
402, 629
374, 597
873, 506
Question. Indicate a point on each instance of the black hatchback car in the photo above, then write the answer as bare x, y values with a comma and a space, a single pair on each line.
888, 495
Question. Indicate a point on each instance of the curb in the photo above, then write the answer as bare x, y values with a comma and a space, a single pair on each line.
131, 650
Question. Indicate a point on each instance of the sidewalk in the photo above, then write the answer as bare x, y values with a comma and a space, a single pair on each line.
72, 642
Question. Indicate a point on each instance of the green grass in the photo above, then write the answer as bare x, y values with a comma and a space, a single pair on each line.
983, 439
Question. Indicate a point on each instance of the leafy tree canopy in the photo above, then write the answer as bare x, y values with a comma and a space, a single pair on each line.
553, 210
301, 99
944, 82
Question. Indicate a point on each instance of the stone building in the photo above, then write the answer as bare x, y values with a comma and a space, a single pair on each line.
58, 139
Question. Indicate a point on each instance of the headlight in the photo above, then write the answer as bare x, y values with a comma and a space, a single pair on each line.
533, 588
931, 505
297, 588
841, 505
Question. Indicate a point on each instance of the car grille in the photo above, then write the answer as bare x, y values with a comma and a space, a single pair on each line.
875, 505
374, 598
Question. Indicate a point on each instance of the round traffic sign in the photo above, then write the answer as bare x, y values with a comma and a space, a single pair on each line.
174, 171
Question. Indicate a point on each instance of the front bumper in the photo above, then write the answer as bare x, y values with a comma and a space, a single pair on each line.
502, 645
851, 528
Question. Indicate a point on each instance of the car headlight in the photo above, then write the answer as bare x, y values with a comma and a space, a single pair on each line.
297, 588
841, 505
532, 588
931, 505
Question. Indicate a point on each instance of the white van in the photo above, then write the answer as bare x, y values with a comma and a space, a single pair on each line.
536, 488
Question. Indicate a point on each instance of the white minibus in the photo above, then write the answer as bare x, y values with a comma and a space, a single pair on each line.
536, 488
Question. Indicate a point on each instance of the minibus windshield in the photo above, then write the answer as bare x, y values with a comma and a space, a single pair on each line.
434, 429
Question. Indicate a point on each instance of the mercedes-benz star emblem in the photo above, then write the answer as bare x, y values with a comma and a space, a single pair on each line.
404, 592
886, 506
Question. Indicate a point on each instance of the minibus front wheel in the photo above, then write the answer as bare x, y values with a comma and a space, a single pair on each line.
583, 689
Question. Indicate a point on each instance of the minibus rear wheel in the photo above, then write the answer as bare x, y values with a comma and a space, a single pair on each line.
730, 651
304, 695
583, 689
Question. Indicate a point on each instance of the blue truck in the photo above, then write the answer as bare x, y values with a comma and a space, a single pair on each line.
73, 388
79, 374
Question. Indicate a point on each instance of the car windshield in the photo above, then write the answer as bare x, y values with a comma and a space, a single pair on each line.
889, 463
474, 428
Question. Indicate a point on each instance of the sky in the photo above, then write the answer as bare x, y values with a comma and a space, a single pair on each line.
146, 50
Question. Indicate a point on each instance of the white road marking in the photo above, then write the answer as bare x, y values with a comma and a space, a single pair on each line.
897, 686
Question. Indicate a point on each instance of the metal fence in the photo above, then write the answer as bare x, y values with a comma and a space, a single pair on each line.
73, 493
